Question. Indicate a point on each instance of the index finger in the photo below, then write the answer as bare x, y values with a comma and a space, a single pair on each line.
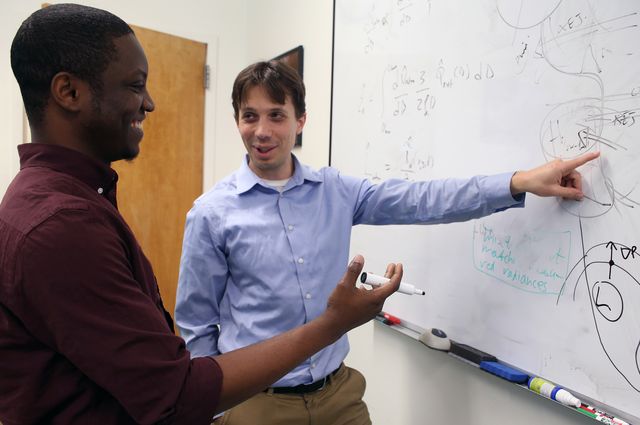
572, 164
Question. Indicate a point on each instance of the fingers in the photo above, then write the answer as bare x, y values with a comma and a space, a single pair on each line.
353, 271
393, 272
573, 179
570, 186
390, 268
569, 193
571, 164
394, 281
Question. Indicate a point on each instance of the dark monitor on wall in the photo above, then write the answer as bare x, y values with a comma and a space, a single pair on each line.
295, 59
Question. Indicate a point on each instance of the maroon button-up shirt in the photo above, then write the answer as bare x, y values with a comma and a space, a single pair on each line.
84, 338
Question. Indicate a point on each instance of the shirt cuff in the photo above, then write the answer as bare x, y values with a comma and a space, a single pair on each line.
498, 187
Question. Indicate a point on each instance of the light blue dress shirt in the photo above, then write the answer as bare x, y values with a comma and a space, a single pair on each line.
257, 262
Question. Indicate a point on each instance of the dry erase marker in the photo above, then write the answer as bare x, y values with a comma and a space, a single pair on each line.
601, 416
375, 280
554, 392
388, 319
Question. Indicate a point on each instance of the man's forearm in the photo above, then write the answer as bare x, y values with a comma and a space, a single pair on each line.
250, 370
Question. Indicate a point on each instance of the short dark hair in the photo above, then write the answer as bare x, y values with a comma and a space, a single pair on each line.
277, 78
62, 38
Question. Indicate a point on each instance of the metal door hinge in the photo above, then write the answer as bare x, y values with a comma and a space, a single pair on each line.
207, 76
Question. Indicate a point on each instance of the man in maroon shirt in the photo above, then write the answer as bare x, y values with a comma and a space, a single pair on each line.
84, 338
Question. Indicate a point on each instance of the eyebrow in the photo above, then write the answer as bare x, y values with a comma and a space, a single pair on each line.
250, 108
139, 71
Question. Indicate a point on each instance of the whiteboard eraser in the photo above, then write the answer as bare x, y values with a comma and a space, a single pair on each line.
436, 339
507, 372
470, 353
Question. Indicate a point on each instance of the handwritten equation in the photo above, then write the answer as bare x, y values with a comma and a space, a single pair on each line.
403, 96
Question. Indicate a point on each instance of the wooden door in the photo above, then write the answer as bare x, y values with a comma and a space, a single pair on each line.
156, 190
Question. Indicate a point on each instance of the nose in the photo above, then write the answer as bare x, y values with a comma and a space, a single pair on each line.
263, 131
147, 103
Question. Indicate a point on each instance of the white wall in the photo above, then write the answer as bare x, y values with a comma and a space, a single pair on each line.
407, 383
11, 15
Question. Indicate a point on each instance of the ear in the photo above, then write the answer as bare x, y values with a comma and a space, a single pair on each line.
69, 92
301, 121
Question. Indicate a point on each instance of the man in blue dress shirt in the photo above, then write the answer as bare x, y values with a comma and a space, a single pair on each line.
263, 249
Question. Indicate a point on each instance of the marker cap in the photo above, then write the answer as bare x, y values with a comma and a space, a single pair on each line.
563, 396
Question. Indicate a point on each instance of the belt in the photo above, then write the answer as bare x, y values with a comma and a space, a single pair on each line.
304, 388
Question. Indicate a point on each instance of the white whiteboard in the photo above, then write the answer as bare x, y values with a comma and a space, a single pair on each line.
432, 89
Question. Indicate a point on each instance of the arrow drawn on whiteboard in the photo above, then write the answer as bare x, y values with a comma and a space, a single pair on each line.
608, 272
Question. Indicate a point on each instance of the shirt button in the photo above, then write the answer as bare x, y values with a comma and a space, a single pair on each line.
300, 260
313, 365
308, 296
100, 190
290, 227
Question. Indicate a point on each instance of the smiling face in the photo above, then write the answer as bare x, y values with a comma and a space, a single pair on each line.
112, 125
268, 130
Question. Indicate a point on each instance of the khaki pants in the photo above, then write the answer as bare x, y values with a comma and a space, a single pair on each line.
338, 403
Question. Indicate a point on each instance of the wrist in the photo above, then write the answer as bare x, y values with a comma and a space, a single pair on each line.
517, 184
328, 327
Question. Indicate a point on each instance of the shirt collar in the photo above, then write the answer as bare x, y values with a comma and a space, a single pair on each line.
247, 179
97, 175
